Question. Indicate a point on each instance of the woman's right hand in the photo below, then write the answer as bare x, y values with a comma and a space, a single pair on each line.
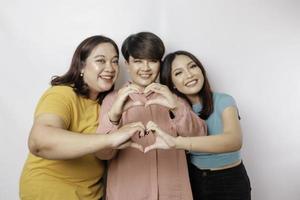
162, 141
119, 105
120, 139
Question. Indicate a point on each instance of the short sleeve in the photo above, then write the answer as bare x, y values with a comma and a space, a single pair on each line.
225, 101
56, 101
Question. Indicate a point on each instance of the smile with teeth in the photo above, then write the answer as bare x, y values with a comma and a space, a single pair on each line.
145, 75
191, 83
107, 76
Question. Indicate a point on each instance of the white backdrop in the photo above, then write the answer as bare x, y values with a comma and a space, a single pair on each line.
250, 49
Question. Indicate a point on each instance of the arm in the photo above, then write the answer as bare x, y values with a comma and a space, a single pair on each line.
49, 139
187, 123
106, 126
230, 140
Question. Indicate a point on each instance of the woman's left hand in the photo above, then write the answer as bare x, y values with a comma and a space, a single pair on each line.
166, 97
162, 141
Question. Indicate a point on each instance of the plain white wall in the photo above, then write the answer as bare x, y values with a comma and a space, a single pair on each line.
249, 49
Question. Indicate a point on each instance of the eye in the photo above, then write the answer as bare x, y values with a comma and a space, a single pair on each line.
137, 61
177, 73
153, 61
115, 61
193, 66
102, 61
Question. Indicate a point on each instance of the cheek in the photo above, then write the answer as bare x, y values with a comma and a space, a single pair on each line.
177, 83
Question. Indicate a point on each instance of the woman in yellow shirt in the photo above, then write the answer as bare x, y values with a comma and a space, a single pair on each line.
62, 142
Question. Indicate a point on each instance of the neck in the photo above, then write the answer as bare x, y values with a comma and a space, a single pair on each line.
194, 98
141, 88
93, 96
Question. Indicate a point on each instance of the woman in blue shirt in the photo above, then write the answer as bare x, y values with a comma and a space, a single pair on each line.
216, 168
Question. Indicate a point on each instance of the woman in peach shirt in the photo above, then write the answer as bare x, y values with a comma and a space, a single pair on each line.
158, 174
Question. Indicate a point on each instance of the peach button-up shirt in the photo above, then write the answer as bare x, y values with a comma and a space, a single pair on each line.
158, 174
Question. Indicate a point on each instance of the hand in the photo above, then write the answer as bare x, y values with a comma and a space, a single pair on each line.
119, 105
120, 139
166, 97
162, 141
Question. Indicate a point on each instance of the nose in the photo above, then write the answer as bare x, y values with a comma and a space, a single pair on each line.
146, 66
188, 74
109, 67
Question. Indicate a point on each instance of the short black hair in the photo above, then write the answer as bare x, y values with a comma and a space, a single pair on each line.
143, 45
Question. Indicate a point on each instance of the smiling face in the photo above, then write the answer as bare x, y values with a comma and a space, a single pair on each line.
101, 69
143, 72
187, 76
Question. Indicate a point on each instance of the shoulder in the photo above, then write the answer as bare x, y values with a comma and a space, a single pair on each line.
61, 91
223, 100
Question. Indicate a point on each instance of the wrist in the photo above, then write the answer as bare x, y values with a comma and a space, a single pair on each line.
113, 118
179, 143
184, 143
111, 144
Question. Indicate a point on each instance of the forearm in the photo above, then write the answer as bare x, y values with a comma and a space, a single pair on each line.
188, 123
210, 144
106, 154
56, 143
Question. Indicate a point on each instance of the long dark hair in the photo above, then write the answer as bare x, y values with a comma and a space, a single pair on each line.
205, 93
72, 78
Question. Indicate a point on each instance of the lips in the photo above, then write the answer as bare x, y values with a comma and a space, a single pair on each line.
191, 83
145, 75
107, 76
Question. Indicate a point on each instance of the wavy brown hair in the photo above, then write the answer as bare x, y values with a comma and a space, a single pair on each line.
205, 93
72, 77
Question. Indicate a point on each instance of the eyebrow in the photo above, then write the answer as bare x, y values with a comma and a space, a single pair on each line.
97, 56
178, 68
102, 56
190, 63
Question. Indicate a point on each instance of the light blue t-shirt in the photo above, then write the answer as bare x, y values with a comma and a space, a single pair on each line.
215, 127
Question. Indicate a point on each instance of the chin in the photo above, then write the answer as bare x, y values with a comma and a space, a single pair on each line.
105, 88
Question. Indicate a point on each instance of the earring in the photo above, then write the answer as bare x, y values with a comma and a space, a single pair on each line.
81, 74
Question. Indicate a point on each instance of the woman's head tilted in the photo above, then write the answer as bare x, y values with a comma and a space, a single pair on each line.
143, 53
94, 68
184, 74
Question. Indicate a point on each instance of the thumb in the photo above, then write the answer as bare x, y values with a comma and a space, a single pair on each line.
137, 146
149, 148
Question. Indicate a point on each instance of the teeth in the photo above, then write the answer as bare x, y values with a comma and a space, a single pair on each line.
145, 75
191, 83
107, 77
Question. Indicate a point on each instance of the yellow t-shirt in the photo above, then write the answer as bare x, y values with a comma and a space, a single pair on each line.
65, 179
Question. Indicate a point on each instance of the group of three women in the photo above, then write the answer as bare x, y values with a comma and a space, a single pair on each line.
144, 129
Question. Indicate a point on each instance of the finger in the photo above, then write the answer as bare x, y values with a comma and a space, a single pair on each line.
151, 123
168, 139
124, 145
149, 87
137, 146
133, 124
149, 148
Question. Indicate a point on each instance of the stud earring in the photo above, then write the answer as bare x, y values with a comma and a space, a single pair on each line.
81, 74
